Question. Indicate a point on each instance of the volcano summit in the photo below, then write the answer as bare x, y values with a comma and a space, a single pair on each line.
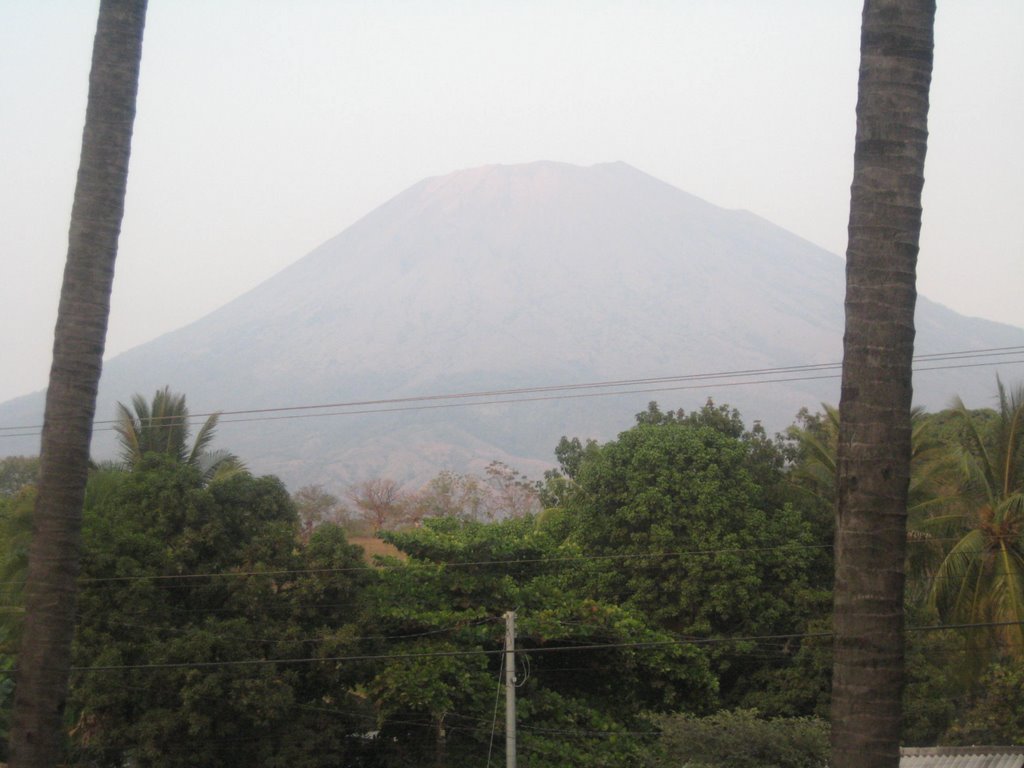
508, 277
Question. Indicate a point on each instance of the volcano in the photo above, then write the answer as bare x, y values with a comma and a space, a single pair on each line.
541, 282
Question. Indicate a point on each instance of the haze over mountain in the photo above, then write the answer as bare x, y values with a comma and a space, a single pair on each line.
514, 276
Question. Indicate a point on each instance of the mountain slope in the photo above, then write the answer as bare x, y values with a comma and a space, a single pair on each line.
510, 276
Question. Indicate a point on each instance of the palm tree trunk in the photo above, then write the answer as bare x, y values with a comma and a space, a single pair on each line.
79, 337
875, 429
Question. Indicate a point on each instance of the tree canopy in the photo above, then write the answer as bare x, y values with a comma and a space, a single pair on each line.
16, 472
981, 578
681, 574
192, 592
460, 578
681, 532
162, 426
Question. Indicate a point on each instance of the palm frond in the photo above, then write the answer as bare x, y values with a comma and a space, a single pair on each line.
816, 473
1009, 599
162, 426
954, 589
217, 466
1011, 411
129, 434
976, 459
204, 438
1011, 510
169, 424
954, 524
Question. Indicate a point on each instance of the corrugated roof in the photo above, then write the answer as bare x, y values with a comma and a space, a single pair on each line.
962, 757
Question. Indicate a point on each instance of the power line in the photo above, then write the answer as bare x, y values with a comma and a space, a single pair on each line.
494, 718
726, 378
643, 644
435, 566
440, 566
285, 639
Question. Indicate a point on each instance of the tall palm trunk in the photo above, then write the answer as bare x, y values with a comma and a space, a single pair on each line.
874, 434
44, 658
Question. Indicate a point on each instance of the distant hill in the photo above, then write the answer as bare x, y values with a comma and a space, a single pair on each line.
514, 276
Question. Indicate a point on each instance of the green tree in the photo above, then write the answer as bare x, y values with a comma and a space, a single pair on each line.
15, 536
684, 535
448, 598
742, 739
813, 444
814, 470
192, 592
15, 540
163, 427
79, 338
815, 437
559, 484
936, 686
996, 714
981, 578
942, 668
766, 459
17, 472
897, 40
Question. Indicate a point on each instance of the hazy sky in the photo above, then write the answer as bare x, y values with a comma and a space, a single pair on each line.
265, 127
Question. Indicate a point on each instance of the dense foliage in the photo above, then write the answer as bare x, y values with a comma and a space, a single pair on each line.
190, 593
742, 739
672, 605
995, 714
685, 535
16, 472
451, 595
162, 426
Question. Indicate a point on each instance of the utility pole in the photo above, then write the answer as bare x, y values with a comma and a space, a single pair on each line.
510, 689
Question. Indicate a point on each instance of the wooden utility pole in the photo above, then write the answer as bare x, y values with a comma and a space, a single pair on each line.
510, 689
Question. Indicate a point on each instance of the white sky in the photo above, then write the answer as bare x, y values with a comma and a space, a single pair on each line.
265, 127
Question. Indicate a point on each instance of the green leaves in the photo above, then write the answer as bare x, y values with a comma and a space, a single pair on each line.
448, 597
981, 578
996, 713
163, 428
685, 536
208, 577
16, 472
743, 739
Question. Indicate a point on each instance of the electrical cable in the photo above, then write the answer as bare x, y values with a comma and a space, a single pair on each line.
180, 630
512, 395
648, 644
525, 660
497, 697
429, 566
440, 566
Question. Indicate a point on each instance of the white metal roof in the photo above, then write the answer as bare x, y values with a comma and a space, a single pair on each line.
962, 757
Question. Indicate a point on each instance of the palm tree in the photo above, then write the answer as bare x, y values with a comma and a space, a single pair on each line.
814, 473
874, 445
981, 578
54, 557
815, 470
163, 427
